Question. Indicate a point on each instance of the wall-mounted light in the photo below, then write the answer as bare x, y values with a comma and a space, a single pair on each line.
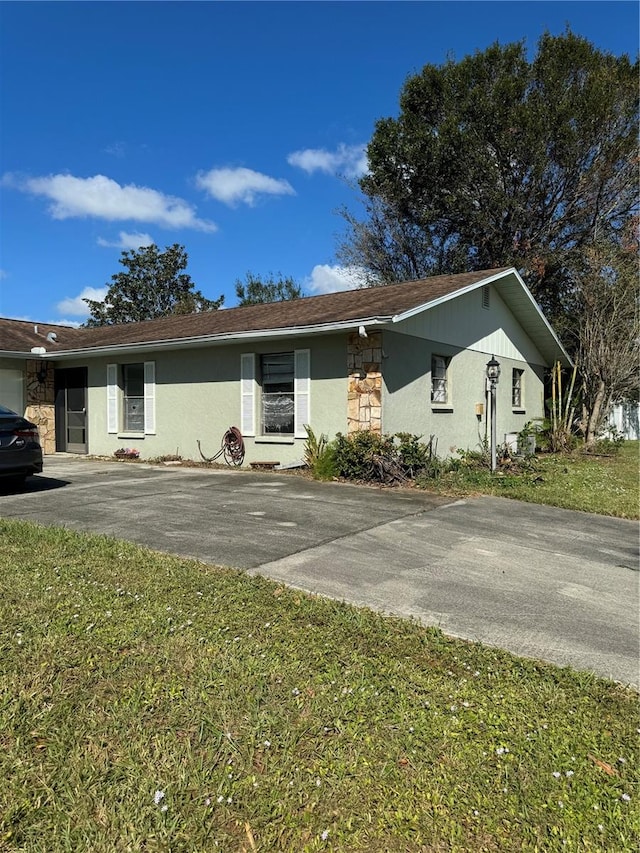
41, 372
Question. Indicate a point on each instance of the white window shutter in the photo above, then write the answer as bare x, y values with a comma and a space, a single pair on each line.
149, 397
112, 398
247, 393
302, 388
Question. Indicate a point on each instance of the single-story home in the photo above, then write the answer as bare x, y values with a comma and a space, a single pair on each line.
407, 357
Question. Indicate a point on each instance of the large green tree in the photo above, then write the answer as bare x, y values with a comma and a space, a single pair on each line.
500, 160
256, 290
153, 285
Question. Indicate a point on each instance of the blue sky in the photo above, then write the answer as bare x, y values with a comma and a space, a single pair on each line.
235, 129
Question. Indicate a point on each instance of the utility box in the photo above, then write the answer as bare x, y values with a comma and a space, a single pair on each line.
511, 441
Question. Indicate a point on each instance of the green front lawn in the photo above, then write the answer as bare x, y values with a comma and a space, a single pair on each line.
156, 704
602, 484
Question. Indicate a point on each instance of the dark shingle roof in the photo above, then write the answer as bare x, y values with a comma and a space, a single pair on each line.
22, 335
333, 308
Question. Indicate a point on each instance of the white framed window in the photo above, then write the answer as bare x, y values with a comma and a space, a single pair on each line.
131, 398
439, 379
275, 387
517, 388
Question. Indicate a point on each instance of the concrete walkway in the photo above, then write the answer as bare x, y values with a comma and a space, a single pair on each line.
541, 582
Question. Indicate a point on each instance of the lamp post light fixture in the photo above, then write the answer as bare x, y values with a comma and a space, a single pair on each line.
493, 375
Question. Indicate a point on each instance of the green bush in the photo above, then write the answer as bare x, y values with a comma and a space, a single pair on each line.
475, 459
412, 453
403, 456
417, 458
319, 455
353, 454
325, 468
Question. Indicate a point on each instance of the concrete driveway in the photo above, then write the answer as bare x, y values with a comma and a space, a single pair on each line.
541, 582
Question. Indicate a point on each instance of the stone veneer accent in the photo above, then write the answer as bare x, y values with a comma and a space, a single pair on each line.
364, 405
41, 403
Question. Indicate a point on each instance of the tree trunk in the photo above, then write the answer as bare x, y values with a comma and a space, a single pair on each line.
595, 416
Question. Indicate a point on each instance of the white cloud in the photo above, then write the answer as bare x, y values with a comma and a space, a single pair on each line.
348, 160
127, 241
100, 197
327, 279
75, 305
232, 186
74, 324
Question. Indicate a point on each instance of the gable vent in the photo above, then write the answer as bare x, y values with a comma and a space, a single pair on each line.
486, 294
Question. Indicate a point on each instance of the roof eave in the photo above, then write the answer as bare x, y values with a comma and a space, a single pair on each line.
18, 354
560, 354
223, 338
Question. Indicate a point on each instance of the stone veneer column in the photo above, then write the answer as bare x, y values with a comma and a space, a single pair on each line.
364, 365
41, 403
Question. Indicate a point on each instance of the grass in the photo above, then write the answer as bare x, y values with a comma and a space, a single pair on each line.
150, 703
607, 485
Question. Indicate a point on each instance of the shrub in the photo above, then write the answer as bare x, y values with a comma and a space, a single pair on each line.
353, 455
417, 458
318, 455
412, 453
384, 458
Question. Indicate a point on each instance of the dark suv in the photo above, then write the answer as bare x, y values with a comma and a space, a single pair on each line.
20, 450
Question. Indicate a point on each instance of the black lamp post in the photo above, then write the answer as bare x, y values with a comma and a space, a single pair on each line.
493, 375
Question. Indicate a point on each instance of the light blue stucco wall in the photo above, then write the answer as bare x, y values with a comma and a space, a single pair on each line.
467, 334
198, 389
407, 406
197, 398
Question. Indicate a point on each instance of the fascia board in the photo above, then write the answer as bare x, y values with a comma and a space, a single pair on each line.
547, 324
214, 340
16, 354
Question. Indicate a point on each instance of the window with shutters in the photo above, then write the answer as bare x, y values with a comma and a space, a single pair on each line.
131, 392
275, 393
